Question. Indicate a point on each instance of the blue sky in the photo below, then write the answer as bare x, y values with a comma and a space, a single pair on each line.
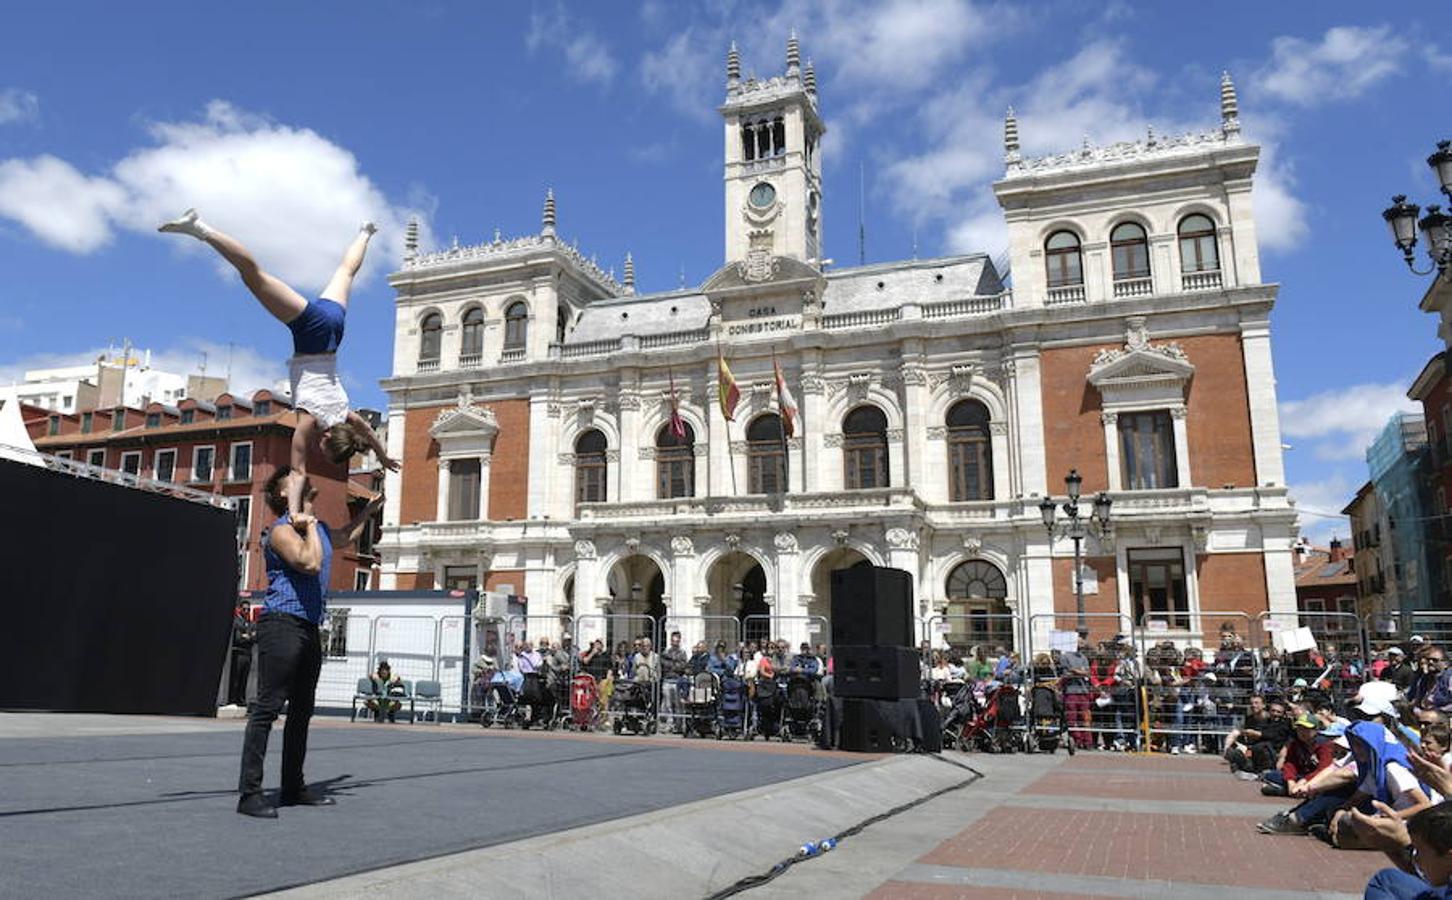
289, 123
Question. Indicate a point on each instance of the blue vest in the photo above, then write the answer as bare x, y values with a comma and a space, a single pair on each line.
293, 592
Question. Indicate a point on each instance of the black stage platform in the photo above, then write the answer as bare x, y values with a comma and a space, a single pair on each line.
151, 814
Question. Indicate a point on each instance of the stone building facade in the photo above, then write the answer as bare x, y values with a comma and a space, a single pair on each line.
532, 394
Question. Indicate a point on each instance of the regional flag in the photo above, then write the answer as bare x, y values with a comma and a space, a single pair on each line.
677, 424
785, 402
730, 393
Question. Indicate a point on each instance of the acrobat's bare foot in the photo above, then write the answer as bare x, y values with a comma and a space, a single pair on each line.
187, 223
368, 228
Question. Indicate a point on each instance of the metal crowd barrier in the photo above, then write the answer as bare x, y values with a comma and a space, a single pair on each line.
1197, 680
1101, 703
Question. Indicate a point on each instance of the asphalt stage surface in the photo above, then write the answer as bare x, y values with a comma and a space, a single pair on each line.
95, 806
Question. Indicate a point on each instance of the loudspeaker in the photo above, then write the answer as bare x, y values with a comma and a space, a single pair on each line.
884, 673
872, 605
932, 726
863, 730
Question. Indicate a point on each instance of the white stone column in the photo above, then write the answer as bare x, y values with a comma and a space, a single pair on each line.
484, 460
718, 437
1162, 272
1178, 414
814, 424
682, 576
1265, 422
787, 589
1111, 449
629, 445
393, 481
1025, 393
543, 434
915, 443
1096, 272
441, 513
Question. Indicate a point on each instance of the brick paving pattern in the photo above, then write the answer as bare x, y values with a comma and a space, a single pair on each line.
1153, 849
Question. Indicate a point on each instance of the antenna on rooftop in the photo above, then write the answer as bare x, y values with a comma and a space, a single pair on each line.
681, 283
861, 213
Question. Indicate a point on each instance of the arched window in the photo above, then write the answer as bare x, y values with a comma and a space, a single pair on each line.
778, 136
431, 337
590, 476
748, 143
675, 463
516, 325
1129, 246
970, 452
1061, 254
472, 343
1199, 251
765, 464
562, 321
864, 448
763, 139
977, 612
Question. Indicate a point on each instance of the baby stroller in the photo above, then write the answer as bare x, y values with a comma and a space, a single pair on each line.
994, 728
964, 712
537, 702
731, 710
584, 702
632, 707
501, 702
768, 708
700, 695
1048, 722
801, 719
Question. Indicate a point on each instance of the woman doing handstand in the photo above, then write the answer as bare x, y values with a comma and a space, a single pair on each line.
317, 330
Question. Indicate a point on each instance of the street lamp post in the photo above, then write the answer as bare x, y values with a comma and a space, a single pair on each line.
1401, 218
1077, 526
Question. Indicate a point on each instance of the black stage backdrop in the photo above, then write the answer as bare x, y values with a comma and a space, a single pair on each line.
114, 599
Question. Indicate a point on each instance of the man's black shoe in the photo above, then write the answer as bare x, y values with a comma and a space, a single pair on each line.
307, 797
254, 805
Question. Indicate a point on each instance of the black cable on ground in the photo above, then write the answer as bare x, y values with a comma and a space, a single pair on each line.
755, 881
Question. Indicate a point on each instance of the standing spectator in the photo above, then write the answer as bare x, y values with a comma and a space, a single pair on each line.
595, 660
673, 666
526, 659
700, 660
805, 663
244, 638
299, 554
646, 665
722, 663
1398, 670
1074, 678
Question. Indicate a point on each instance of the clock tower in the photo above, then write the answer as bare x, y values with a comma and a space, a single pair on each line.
773, 162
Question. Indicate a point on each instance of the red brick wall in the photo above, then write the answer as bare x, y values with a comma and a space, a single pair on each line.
493, 579
415, 581
1232, 582
509, 465
1105, 601
1218, 426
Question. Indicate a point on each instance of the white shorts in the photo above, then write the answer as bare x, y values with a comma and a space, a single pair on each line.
317, 389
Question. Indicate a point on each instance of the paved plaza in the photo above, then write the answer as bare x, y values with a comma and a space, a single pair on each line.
96, 806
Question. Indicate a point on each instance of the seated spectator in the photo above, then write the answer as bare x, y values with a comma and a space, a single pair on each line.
1260, 743
385, 684
1386, 778
1437, 743
1420, 848
1303, 757
1439, 694
526, 659
978, 666
957, 671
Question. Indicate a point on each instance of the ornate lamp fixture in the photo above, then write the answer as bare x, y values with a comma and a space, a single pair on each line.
1436, 225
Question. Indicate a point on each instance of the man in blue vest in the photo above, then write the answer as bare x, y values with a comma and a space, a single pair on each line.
299, 554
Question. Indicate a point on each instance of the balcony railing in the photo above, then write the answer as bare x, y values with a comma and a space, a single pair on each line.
471, 360
969, 306
754, 505
861, 318
673, 339
512, 355
1134, 287
428, 365
1201, 281
1059, 296
587, 348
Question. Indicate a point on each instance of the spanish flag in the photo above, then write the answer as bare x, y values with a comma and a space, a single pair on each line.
730, 393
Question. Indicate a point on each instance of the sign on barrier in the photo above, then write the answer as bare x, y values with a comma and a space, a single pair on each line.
1325, 650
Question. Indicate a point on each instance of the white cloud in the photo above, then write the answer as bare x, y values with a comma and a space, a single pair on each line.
250, 370
689, 70
897, 44
1319, 504
1340, 424
294, 197
587, 56
1345, 63
18, 106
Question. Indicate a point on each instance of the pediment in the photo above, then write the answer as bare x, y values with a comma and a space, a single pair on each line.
464, 421
757, 270
1162, 364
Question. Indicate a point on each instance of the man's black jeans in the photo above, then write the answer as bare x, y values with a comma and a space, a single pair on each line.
289, 658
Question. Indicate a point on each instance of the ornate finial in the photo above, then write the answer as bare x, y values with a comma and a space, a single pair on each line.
629, 273
733, 66
498, 235
809, 80
794, 55
1010, 139
1149, 134
1229, 107
410, 238
549, 214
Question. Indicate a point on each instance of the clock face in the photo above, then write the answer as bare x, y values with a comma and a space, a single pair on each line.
763, 195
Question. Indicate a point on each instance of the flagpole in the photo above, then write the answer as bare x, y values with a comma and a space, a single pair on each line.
725, 422
786, 469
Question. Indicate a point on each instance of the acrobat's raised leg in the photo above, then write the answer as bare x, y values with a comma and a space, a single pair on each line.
272, 292
342, 280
